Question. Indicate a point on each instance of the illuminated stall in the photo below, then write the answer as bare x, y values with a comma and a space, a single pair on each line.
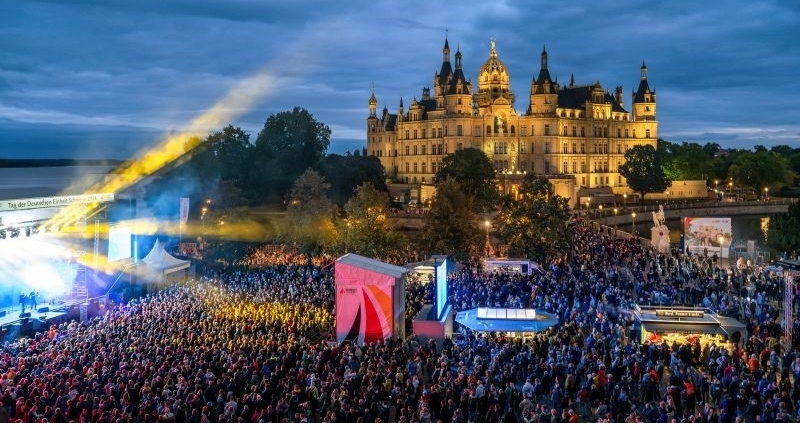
686, 325
510, 265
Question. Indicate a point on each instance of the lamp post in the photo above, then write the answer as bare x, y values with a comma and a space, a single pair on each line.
766, 194
633, 223
616, 210
624, 201
588, 205
600, 210
203, 212
488, 246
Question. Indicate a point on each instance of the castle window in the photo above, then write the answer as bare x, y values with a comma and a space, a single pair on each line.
415, 134
415, 150
583, 148
513, 130
546, 167
547, 148
546, 129
523, 148
523, 131
619, 133
415, 167
634, 132
424, 149
408, 167
574, 167
488, 129
564, 133
424, 167
459, 130
439, 132
574, 148
564, 148
583, 131
574, 131
408, 151
424, 133
647, 133
564, 168
627, 133
406, 133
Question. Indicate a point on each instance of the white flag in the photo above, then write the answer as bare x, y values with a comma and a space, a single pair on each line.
184, 210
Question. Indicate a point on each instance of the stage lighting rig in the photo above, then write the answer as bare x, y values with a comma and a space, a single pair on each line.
14, 232
2, 234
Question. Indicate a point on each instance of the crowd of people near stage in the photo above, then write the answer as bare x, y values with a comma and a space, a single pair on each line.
252, 345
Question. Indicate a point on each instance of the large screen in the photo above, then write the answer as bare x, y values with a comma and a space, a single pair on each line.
708, 235
441, 287
119, 243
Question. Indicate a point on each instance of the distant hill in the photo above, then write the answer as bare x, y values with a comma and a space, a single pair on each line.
19, 163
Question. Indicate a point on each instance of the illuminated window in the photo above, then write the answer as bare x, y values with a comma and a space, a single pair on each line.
459, 130
408, 150
647, 133
546, 130
424, 149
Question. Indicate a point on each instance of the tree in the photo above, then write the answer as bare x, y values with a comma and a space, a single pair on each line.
346, 173
759, 169
535, 225
366, 229
475, 174
783, 232
289, 143
642, 169
451, 225
687, 161
310, 214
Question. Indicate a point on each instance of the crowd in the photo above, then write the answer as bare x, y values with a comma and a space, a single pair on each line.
253, 346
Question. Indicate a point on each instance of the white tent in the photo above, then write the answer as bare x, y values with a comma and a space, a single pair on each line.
159, 263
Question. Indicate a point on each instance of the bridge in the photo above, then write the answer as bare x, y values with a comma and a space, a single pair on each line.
705, 209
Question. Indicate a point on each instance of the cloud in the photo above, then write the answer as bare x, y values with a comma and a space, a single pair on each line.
160, 64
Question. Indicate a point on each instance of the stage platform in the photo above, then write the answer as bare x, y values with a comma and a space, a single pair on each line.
43, 312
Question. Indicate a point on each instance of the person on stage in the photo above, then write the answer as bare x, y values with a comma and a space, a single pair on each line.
22, 300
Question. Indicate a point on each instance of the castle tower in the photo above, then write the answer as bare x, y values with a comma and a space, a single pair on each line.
544, 92
644, 99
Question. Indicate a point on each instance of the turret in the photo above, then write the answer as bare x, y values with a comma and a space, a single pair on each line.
544, 91
644, 99
373, 105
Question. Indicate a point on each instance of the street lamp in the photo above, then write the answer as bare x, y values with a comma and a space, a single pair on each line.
766, 194
600, 210
588, 204
488, 247
624, 201
203, 212
616, 210
633, 223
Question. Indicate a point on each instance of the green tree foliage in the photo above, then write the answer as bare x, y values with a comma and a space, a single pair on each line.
759, 169
535, 225
289, 143
451, 225
366, 229
310, 214
783, 232
687, 161
474, 172
792, 155
346, 173
642, 169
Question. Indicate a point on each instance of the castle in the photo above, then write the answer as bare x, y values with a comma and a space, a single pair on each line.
575, 135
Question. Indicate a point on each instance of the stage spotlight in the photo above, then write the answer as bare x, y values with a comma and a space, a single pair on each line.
14, 232
2, 234
28, 231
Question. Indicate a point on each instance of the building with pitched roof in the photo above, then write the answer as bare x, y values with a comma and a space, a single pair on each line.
576, 135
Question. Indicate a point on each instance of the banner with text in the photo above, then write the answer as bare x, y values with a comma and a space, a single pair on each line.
50, 202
